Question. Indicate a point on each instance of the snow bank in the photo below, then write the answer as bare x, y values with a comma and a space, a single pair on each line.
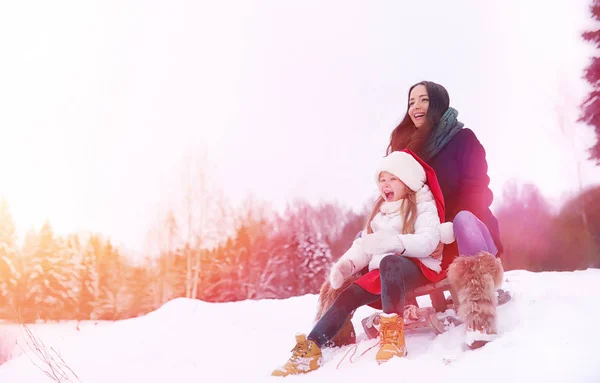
13, 339
547, 332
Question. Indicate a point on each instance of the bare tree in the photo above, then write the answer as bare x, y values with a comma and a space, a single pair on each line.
205, 211
566, 121
196, 218
46, 358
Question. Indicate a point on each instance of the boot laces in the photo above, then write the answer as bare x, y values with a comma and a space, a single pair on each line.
390, 333
300, 350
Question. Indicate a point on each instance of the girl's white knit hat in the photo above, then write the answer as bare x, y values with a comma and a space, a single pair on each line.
405, 167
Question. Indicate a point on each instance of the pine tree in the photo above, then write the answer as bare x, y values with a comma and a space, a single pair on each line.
142, 286
221, 277
9, 273
314, 262
88, 281
277, 278
47, 281
263, 260
114, 298
177, 274
25, 300
229, 269
591, 106
214, 273
66, 274
245, 262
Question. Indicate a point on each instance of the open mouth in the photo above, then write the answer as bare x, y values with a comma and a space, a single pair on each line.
419, 116
388, 195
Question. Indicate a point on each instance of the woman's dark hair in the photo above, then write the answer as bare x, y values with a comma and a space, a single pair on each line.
406, 135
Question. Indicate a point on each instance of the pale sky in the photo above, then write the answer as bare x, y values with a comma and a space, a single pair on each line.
100, 100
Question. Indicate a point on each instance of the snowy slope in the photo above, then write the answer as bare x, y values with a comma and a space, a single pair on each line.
548, 333
13, 338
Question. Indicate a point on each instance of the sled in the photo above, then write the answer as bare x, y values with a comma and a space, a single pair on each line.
419, 318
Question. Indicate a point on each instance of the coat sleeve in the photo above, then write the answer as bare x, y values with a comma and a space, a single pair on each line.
427, 233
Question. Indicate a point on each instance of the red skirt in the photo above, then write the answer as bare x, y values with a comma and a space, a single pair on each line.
371, 281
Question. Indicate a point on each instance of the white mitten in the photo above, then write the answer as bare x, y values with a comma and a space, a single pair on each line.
336, 278
339, 272
382, 243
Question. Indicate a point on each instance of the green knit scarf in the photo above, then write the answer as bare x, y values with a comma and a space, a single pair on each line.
441, 134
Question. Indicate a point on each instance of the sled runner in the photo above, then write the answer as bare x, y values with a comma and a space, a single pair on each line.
417, 318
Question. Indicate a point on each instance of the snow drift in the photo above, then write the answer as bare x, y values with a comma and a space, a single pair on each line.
547, 332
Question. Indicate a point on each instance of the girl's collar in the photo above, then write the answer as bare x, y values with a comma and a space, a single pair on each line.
391, 207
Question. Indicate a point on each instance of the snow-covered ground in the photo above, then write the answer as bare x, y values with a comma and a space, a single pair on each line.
14, 340
548, 333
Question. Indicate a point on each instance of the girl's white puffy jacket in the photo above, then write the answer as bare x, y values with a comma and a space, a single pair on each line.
429, 232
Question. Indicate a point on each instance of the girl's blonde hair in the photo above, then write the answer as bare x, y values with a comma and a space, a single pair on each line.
408, 209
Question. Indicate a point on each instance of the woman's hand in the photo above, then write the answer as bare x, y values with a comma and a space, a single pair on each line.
438, 253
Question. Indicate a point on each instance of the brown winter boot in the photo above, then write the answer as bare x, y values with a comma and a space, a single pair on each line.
392, 341
306, 357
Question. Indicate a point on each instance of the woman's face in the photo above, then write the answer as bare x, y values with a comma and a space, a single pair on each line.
418, 103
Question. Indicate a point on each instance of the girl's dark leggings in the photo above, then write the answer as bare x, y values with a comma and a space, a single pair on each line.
398, 275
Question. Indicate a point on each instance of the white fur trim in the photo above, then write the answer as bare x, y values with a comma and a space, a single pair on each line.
391, 207
405, 167
425, 195
447, 233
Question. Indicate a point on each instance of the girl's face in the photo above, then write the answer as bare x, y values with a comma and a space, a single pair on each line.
391, 188
418, 103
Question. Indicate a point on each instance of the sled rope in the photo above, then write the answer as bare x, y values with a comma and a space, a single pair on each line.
411, 313
353, 348
373, 346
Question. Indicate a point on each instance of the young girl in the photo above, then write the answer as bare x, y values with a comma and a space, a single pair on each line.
404, 228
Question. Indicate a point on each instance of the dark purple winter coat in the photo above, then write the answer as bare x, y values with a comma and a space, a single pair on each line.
461, 169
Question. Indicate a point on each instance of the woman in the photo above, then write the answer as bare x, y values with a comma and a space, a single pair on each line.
431, 130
